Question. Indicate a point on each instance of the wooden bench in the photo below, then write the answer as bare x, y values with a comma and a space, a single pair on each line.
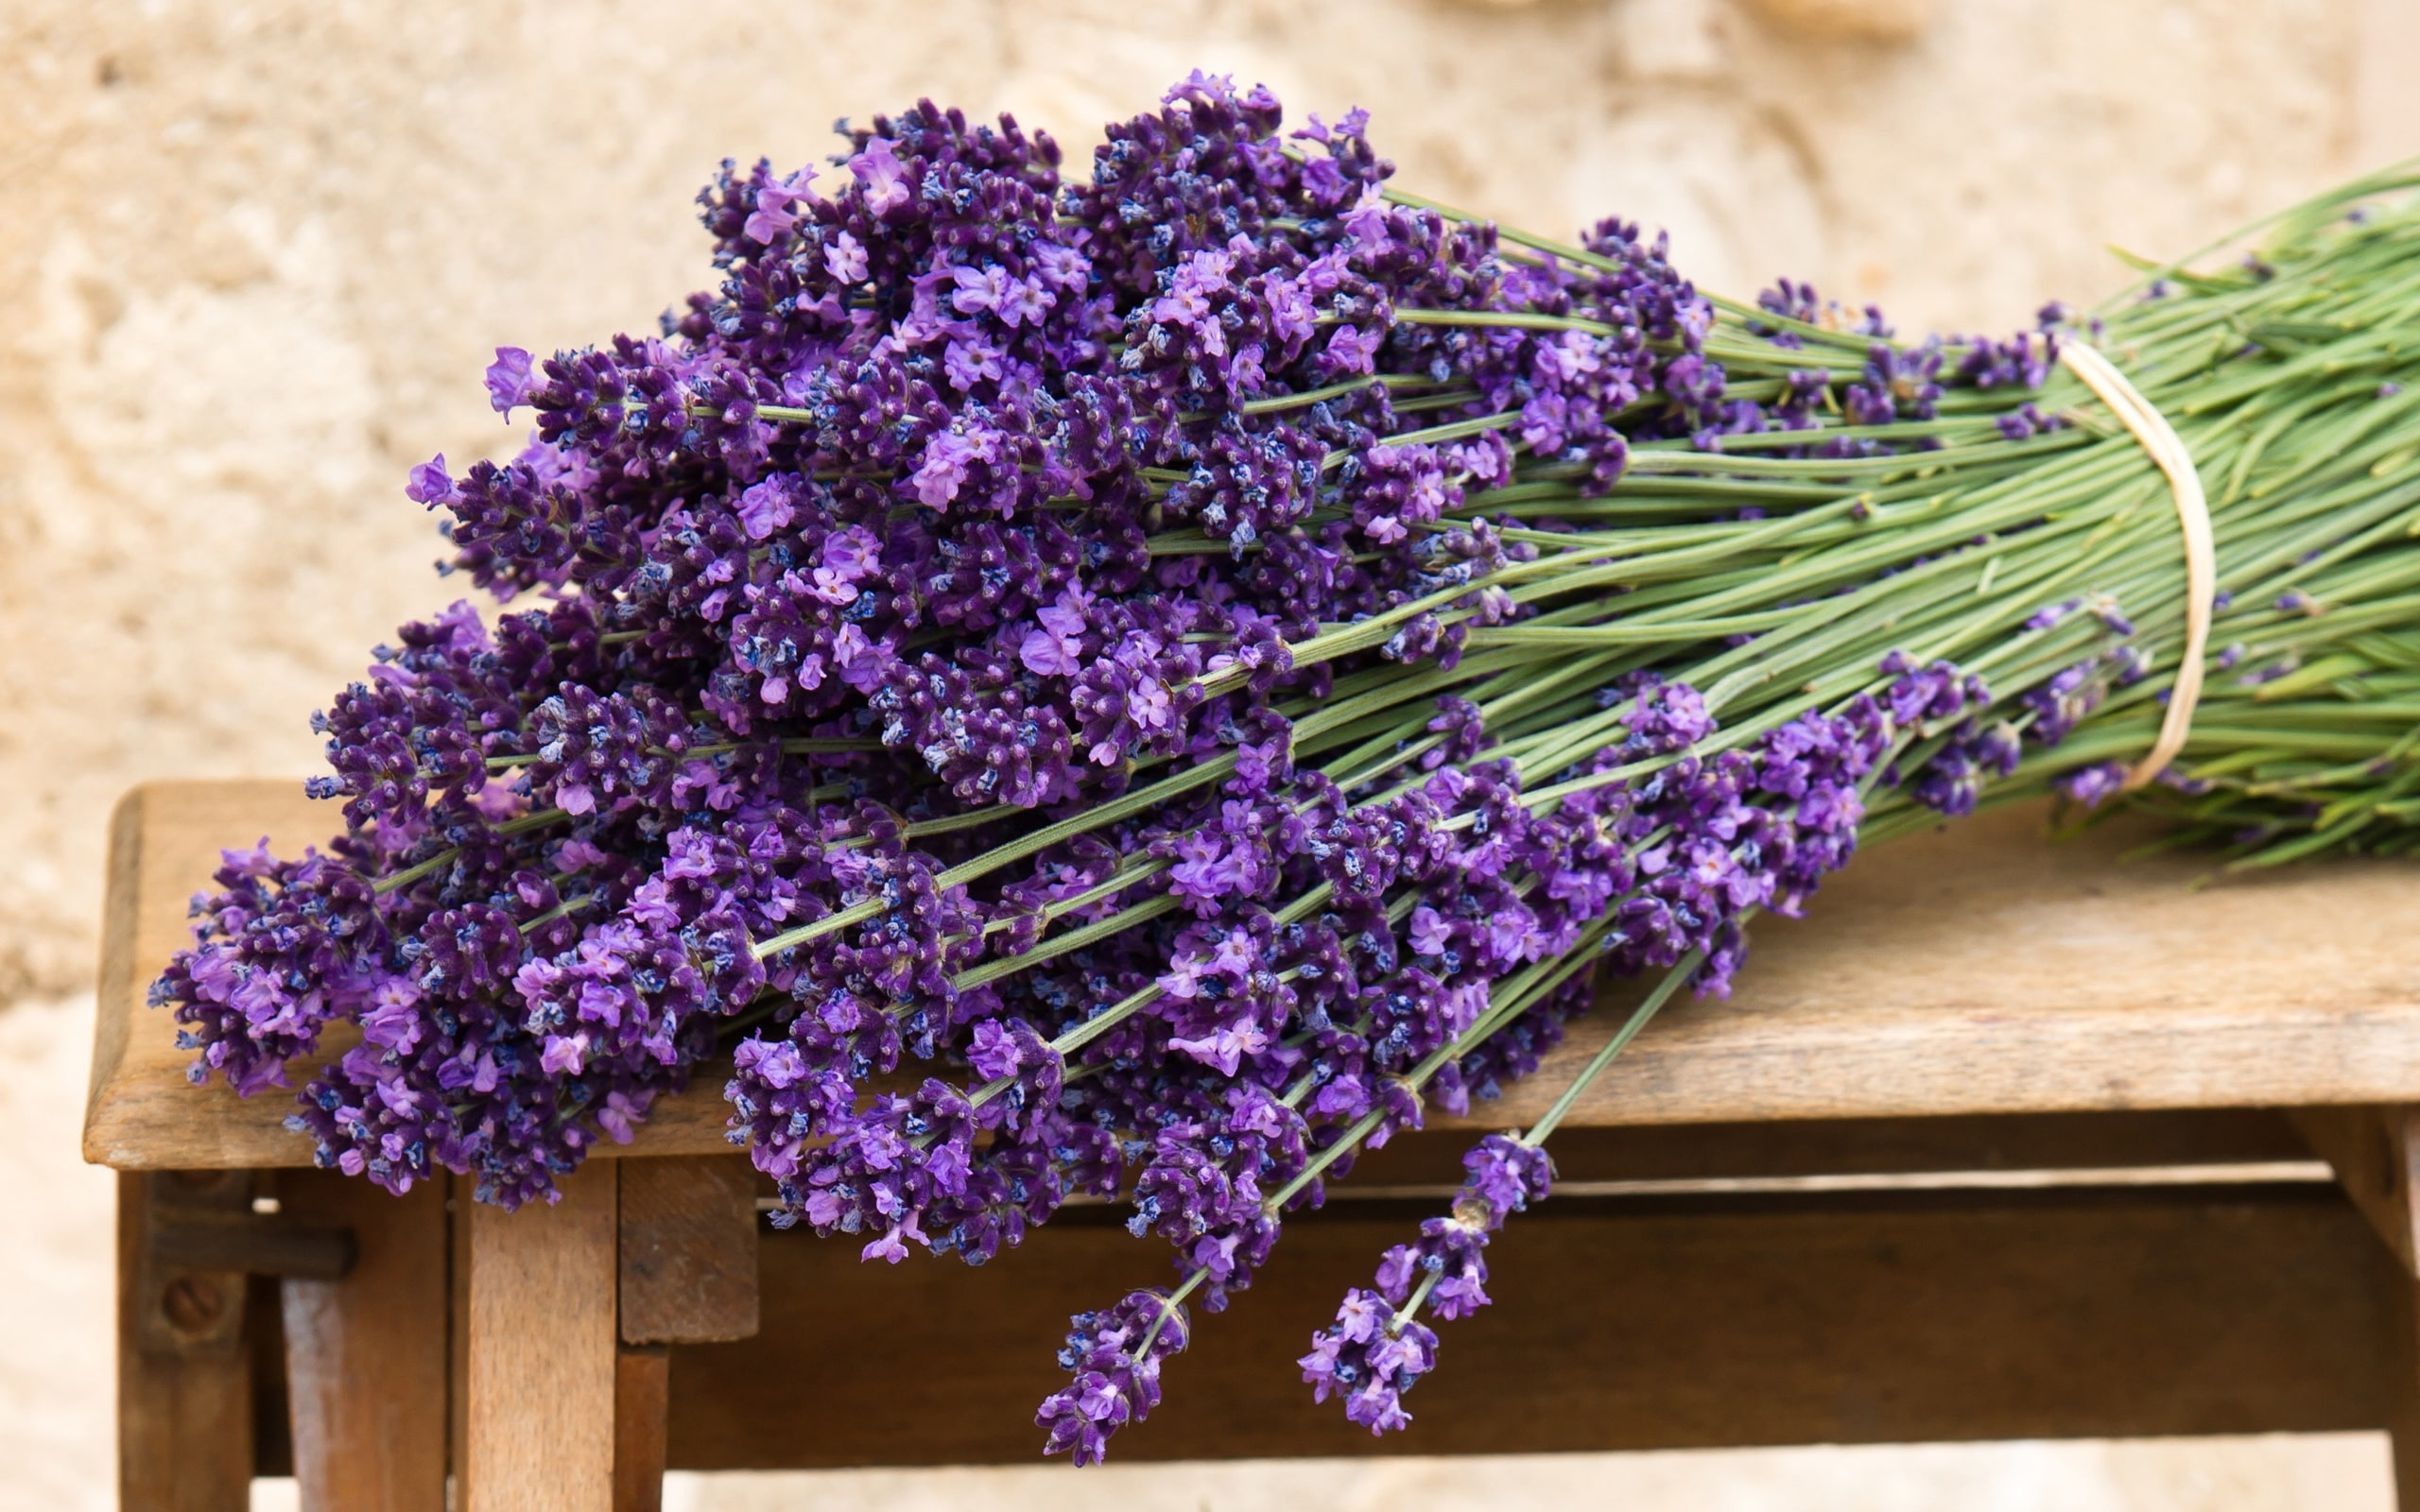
2011, 1140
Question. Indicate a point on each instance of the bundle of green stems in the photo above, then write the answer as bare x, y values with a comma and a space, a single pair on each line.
1774, 582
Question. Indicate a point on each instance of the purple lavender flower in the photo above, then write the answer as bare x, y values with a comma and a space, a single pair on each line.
508, 385
284, 949
1115, 1358
2092, 785
971, 499
1374, 1352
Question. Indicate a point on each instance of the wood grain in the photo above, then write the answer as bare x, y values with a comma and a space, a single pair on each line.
2149, 1139
2372, 1149
688, 1254
1982, 969
1616, 1325
2374, 1152
184, 1376
365, 1356
1985, 968
534, 1334
641, 1383
2403, 1423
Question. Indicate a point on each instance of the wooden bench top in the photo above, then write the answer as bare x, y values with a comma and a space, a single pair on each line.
1982, 969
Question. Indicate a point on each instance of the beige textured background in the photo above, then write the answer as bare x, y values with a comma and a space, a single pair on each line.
252, 257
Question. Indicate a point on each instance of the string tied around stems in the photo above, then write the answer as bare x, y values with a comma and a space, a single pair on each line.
2158, 438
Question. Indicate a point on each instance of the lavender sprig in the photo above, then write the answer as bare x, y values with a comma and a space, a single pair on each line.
1141, 687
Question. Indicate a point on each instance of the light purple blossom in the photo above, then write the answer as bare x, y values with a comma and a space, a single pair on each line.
845, 258
886, 181
509, 381
774, 216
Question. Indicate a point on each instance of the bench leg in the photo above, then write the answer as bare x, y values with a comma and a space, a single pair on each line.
185, 1377
2375, 1152
688, 1276
2372, 1151
640, 1417
534, 1356
365, 1356
2383, 1184
2404, 1426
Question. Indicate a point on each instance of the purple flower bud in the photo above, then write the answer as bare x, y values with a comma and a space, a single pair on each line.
2092, 785
431, 484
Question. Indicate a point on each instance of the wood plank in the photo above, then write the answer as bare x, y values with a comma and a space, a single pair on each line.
365, 1356
688, 1249
129, 965
1616, 1326
641, 1384
537, 1351
2373, 1151
1984, 968
185, 1382
2178, 1139
458, 1346
2403, 1425
1981, 969
2370, 1149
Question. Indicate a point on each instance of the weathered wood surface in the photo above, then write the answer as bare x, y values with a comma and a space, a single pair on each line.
1979, 969
185, 1373
365, 1355
2372, 1151
2184, 1142
1617, 1324
688, 1249
641, 1407
2403, 1420
535, 1357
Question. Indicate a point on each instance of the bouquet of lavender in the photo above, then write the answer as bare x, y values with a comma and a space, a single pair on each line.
1139, 688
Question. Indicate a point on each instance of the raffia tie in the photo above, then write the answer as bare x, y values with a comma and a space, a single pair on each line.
2159, 438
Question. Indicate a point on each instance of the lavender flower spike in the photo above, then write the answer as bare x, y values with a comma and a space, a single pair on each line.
1115, 1357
